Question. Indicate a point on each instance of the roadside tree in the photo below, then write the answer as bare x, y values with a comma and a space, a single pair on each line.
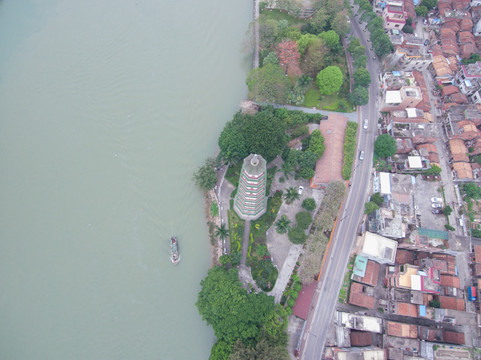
370, 207
385, 146
362, 77
359, 96
421, 10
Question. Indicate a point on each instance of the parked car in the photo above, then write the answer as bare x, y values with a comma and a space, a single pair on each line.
361, 155
426, 42
436, 211
300, 190
366, 124
436, 199
436, 205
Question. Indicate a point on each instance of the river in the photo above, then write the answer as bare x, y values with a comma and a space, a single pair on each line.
106, 109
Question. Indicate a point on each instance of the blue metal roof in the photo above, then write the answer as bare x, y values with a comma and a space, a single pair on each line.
360, 266
422, 310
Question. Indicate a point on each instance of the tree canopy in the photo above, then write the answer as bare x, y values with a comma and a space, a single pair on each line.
268, 83
329, 80
232, 144
359, 96
421, 10
315, 57
385, 145
331, 38
472, 190
205, 176
362, 77
233, 313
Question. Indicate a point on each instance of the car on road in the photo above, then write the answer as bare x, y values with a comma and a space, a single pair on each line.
300, 190
436, 199
374, 58
436, 211
426, 42
361, 155
366, 124
436, 205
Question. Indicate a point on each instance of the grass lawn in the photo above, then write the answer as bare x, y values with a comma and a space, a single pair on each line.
281, 15
326, 102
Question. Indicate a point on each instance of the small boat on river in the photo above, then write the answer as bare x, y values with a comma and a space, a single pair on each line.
174, 250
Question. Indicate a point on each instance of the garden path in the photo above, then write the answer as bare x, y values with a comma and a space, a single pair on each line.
286, 272
245, 242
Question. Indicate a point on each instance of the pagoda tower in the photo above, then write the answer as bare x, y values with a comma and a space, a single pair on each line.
250, 199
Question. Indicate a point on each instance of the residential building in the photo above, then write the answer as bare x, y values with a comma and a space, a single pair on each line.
406, 97
393, 15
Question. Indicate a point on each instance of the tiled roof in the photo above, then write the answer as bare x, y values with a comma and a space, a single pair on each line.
453, 337
463, 170
303, 301
407, 309
404, 257
459, 150
450, 89
402, 330
361, 338
477, 254
359, 298
450, 280
448, 302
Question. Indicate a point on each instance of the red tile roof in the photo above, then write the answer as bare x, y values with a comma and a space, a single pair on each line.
407, 309
359, 298
404, 257
449, 302
450, 280
450, 89
477, 254
402, 330
453, 337
361, 338
303, 301
372, 273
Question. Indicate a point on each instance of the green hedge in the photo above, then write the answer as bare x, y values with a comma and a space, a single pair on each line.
349, 150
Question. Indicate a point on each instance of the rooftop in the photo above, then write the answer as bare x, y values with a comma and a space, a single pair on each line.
363, 323
448, 302
358, 295
379, 248
303, 301
402, 330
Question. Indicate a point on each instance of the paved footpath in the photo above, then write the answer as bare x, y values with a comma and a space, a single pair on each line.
286, 272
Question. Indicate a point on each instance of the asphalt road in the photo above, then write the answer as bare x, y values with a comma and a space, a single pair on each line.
350, 218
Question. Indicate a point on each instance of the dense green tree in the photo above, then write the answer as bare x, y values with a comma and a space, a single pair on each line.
340, 23
354, 43
205, 177
304, 41
421, 10
268, 32
433, 170
385, 146
370, 207
331, 38
291, 195
229, 309
282, 225
368, 16
376, 23
220, 351
381, 42
303, 219
309, 204
265, 134
473, 58
232, 143
315, 57
407, 29
429, 4
293, 33
306, 173
271, 58
362, 77
472, 190
329, 80
297, 235
319, 21
262, 351
304, 81
360, 61
316, 143
377, 199
359, 96
448, 210
268, 83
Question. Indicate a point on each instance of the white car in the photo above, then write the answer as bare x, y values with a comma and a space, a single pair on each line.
361, 155
300, 190
436, 200
366, 124
436, 205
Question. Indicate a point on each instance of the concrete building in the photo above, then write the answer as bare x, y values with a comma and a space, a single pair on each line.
406, 97
379, 248
393, 15
250, 201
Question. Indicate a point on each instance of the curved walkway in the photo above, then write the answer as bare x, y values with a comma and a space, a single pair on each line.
351, 116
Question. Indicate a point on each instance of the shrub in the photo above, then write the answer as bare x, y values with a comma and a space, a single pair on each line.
349, 150
377, 199
297, 235
370, 207
309, 204
303, 219
476, 233
214, 209
449, 227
